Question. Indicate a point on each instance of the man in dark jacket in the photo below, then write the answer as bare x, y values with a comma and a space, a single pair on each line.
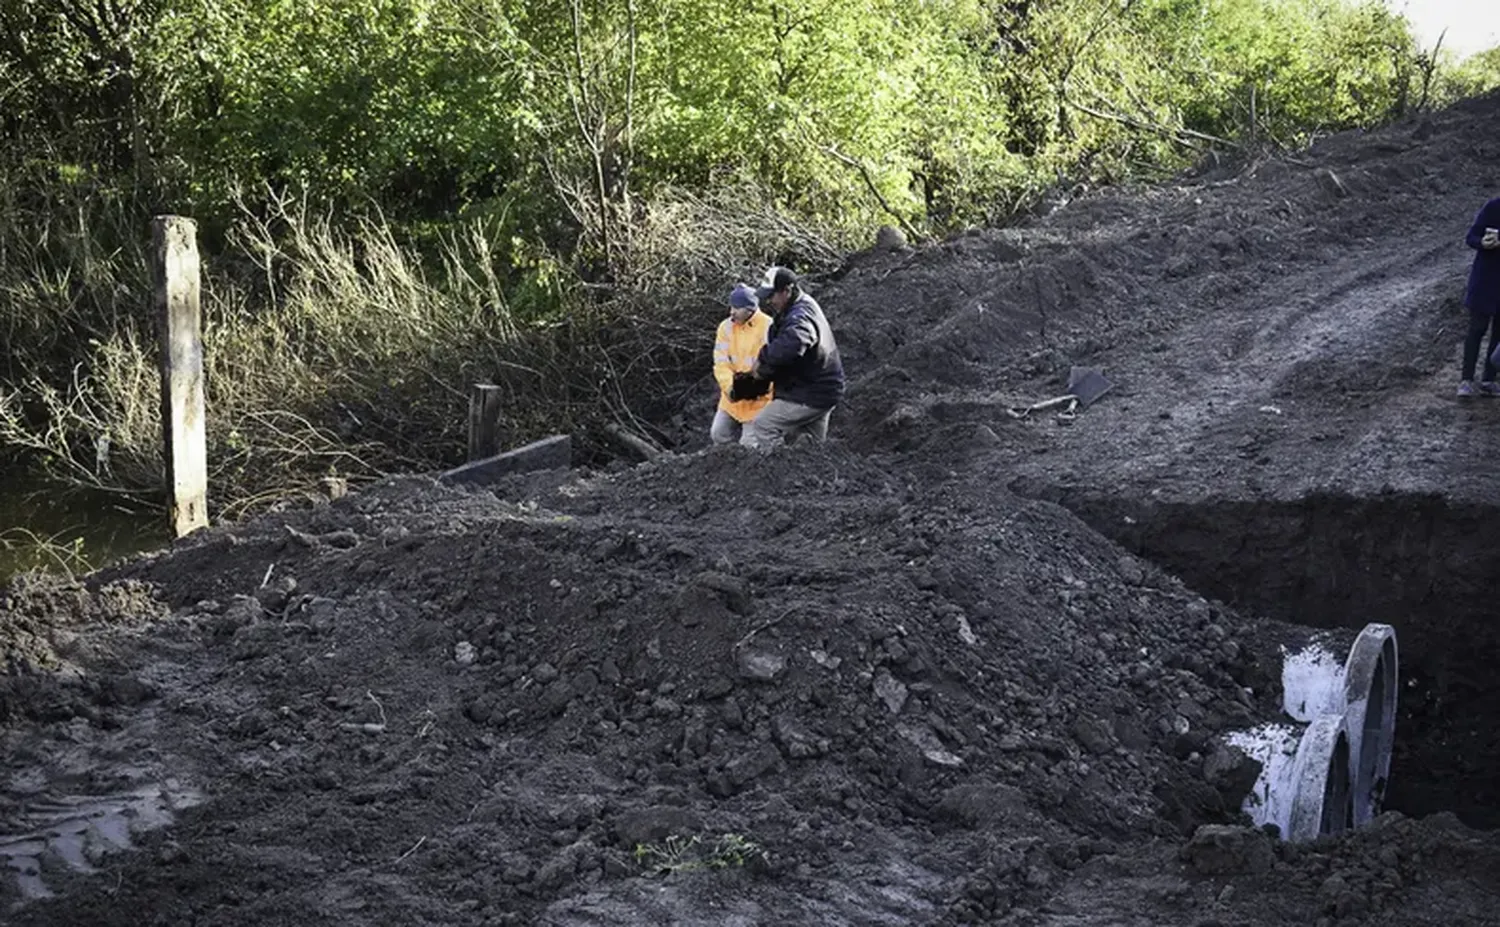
1483, 299
801, 360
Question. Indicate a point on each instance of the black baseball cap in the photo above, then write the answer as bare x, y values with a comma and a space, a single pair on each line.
775, 280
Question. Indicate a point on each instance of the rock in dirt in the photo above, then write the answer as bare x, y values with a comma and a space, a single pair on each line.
1095, 736
980, 804
718, 687
889, 238
257, 640
760, 665
126, 691
1330, 183
711, 599
752, 765
1231, 771
798, 743
556, 697
976, 438
242, 610
926, 740
557, 871
891, 691
1221, 849
275, 596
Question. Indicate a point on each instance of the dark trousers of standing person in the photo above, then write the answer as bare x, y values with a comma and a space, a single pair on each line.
1479, 323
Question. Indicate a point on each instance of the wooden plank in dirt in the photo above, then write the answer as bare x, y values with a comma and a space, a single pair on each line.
546, 454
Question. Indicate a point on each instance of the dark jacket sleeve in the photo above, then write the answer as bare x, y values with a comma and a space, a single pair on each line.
797, 334
1488, 218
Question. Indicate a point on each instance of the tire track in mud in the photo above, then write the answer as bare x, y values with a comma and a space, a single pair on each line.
1328, 384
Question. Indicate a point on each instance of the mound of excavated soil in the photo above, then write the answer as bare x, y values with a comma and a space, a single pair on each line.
865, 683
785, 689
878, 686
1288, 328
1125, 268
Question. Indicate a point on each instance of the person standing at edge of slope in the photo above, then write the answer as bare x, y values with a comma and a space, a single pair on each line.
1483, 299
737, 345
801, 360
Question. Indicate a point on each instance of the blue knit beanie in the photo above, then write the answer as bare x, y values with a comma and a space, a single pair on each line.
743, 297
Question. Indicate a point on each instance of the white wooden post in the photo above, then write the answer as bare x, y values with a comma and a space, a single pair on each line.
175, 273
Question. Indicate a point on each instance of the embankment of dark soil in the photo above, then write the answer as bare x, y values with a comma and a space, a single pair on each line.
838, 669
826, 692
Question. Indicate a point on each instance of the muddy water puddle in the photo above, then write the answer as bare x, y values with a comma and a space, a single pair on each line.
50, 527
76, 832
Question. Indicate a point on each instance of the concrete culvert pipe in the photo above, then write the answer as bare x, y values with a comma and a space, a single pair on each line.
1304, 787
1322, 804
1324, 770
1370, 677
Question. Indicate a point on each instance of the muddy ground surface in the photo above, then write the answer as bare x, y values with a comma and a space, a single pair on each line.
930, 673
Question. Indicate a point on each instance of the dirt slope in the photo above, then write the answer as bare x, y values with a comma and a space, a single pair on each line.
918, 701
1293, 327
885, 681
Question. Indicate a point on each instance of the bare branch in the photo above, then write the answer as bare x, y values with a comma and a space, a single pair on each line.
864, 172
1180, 136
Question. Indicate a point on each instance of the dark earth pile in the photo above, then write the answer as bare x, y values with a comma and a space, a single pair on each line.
882, 681
821, 693
887, 674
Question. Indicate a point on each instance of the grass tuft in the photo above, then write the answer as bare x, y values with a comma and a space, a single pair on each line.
689, 854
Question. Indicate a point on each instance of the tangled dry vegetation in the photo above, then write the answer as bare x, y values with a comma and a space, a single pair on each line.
339, 347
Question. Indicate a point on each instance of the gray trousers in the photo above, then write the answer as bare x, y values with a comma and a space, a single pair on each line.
725, 429
782, 422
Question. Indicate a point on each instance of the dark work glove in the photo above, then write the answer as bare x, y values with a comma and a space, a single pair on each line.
747, 387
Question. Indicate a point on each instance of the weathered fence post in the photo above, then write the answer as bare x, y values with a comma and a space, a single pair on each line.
484, 421
174, 267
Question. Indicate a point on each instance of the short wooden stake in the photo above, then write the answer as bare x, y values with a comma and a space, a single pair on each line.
174, 267
484, 421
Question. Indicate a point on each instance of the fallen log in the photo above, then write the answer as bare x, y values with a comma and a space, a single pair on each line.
637, 445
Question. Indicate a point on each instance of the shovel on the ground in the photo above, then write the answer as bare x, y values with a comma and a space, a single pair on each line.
1085, 385
1070, 401
1088, 384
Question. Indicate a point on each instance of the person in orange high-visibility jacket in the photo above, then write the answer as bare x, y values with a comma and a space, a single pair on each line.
740, 338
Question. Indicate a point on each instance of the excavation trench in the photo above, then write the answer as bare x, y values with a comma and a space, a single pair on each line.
1428, 568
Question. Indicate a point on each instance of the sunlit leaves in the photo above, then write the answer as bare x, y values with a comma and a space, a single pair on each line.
955, 110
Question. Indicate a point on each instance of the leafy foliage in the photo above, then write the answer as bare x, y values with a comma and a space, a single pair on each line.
958, 110
950, 111
566, 168
1479, 74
